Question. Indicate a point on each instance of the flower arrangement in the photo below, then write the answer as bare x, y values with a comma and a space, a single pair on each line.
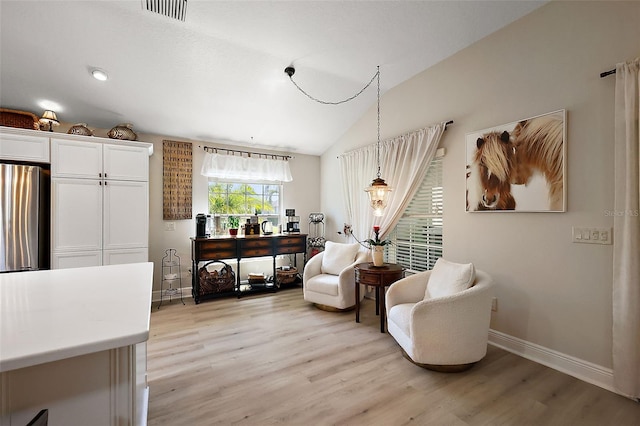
369, 243
377, 241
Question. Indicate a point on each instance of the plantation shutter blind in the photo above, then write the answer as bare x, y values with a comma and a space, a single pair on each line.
417, 236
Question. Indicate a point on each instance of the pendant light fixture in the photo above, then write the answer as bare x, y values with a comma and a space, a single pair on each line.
379, 190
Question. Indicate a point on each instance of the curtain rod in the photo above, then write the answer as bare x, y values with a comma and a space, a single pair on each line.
606, 73
445, 128
249, 153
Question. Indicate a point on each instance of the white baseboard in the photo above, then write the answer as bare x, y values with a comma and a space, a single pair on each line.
578, 368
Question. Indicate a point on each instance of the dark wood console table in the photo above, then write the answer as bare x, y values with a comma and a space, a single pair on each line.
241, 247
379, 277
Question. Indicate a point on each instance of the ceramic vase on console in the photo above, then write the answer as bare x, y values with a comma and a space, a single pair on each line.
377, 253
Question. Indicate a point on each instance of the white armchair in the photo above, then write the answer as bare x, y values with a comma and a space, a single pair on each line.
436, 330
329, 279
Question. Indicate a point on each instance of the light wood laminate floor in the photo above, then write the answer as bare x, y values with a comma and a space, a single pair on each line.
275, 359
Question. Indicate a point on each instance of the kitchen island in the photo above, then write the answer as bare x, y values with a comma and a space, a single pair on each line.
73, 341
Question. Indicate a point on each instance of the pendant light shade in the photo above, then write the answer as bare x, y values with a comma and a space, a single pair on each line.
378, 192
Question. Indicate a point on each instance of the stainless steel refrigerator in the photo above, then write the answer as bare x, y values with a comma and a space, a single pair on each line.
24, 242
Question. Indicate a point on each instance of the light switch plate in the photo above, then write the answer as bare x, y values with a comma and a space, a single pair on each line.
592, 235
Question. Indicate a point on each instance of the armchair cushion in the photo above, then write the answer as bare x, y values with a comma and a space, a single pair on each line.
324, 284
449, 278
328, 290
338, 256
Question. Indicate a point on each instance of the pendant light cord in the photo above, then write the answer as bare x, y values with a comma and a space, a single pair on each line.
378, 75
290, 71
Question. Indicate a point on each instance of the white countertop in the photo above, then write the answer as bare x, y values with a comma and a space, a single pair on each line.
51, 315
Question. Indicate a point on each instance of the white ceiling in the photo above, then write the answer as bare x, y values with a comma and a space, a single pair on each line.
219, 76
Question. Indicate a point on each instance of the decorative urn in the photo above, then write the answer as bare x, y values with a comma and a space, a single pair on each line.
80, 129
123, 132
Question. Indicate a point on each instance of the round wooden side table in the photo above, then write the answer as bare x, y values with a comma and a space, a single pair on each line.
379, 277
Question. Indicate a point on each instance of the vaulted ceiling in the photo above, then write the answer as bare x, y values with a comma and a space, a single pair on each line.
219, 75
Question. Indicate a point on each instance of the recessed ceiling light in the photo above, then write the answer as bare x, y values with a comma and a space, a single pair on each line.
50, 105
99, 74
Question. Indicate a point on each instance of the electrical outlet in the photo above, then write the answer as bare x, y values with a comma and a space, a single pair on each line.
494, 304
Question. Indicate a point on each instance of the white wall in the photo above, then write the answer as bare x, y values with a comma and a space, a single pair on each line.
550, 291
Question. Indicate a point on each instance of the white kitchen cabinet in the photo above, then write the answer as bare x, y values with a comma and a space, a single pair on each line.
82, 160
100, 203
120, 257
125, 214
16, 146
75, 159
76, 212
75, 259
122, 162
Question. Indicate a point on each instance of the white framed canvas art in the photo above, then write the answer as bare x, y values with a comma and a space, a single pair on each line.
519, 166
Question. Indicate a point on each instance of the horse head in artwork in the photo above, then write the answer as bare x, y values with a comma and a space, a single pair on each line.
538, 146
494, 159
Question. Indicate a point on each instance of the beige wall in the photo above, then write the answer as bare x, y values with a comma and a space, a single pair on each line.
551, 292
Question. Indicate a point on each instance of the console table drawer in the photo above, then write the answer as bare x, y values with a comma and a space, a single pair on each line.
257, 252
291, 245
255, 247
216, 249
253, 242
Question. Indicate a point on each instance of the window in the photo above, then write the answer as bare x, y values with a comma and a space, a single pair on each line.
245, 199
417, 238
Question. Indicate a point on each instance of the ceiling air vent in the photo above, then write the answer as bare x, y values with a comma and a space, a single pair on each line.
176, 9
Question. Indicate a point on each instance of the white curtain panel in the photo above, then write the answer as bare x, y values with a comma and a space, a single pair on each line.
358, 169
241, 168
626, 237
404, 160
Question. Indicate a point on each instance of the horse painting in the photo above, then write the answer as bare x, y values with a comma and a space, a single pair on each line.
538, 147
518, 166
493, 161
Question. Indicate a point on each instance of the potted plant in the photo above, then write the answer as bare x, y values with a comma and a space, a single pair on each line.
377, 247
234, 224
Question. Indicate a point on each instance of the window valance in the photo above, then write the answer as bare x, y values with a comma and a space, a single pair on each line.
245, 168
